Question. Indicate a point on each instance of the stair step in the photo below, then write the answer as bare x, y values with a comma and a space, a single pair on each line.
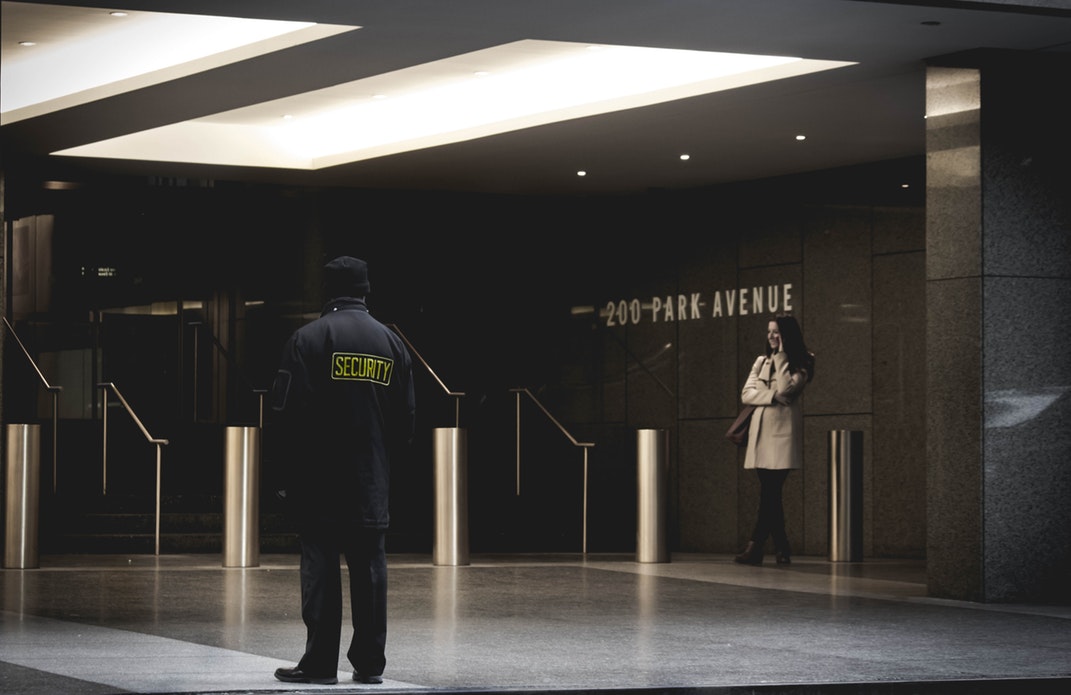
141, 543
127, 524
188, 524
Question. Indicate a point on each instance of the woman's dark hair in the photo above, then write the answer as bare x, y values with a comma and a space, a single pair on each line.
799, 357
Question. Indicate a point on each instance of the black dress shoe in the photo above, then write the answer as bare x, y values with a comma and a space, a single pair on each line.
296, 675
752, 555
371, 680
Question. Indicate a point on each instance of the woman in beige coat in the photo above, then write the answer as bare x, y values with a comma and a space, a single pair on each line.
775, 437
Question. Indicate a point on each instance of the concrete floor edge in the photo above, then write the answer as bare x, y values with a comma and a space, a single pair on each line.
1027, 686
559, 624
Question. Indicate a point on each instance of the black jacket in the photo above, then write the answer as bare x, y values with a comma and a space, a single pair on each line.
342, 403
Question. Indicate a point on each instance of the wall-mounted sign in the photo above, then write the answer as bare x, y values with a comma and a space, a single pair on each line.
742, 301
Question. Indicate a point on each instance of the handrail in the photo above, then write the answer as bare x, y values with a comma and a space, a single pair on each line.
54, 390
413, 350
158, 442
641, 363
584, 445
230, 360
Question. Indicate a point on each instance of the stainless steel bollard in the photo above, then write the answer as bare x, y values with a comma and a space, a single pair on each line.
451, 545
241, 502
845, 496
652, 466
22, 482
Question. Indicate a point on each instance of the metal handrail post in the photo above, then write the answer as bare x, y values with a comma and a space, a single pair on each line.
54, 390
451, 543
584, 445
105, 386
196, 332
456, 394
518, 400
104, 443
158, 473
55, 436
229, 360
584, 534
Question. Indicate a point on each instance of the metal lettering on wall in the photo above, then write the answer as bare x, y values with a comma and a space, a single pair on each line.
742, 301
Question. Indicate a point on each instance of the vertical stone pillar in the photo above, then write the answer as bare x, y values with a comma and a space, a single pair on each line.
998, 302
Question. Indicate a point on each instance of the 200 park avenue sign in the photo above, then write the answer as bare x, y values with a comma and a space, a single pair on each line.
741, 301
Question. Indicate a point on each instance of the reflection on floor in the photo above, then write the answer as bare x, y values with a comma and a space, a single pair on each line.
532, 623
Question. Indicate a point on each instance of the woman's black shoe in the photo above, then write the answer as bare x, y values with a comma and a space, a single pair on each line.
783, 552
752, 555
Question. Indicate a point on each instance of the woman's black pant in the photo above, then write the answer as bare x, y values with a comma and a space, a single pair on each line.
771, 517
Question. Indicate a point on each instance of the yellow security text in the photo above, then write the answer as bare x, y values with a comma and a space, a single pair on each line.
348, 366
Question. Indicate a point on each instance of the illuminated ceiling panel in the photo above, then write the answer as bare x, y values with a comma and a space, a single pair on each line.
496, 90
81, 54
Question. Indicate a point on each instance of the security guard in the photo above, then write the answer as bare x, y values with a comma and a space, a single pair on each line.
342, 405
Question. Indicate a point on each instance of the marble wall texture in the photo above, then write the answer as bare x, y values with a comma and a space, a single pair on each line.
998, 291
854, 277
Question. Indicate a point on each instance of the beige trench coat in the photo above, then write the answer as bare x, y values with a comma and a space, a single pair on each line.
775, 438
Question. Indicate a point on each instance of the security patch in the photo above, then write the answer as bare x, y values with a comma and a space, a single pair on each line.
348, 366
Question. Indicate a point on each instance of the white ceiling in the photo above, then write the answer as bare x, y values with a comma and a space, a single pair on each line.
868, 112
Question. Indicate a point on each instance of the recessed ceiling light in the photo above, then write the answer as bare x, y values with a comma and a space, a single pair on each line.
27, 43
581, 173
685, 157
60, 185
801, 137
531, 83
118, 13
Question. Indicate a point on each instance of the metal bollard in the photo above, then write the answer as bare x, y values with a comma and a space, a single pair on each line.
652, 466
241, 503
22, 482
845, 496
451, 545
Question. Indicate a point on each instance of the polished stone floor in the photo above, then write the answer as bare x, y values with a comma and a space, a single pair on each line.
101, 624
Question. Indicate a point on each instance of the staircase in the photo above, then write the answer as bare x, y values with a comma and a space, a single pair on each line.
118, 524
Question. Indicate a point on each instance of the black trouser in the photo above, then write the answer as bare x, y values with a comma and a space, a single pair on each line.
322, 546
771, 517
